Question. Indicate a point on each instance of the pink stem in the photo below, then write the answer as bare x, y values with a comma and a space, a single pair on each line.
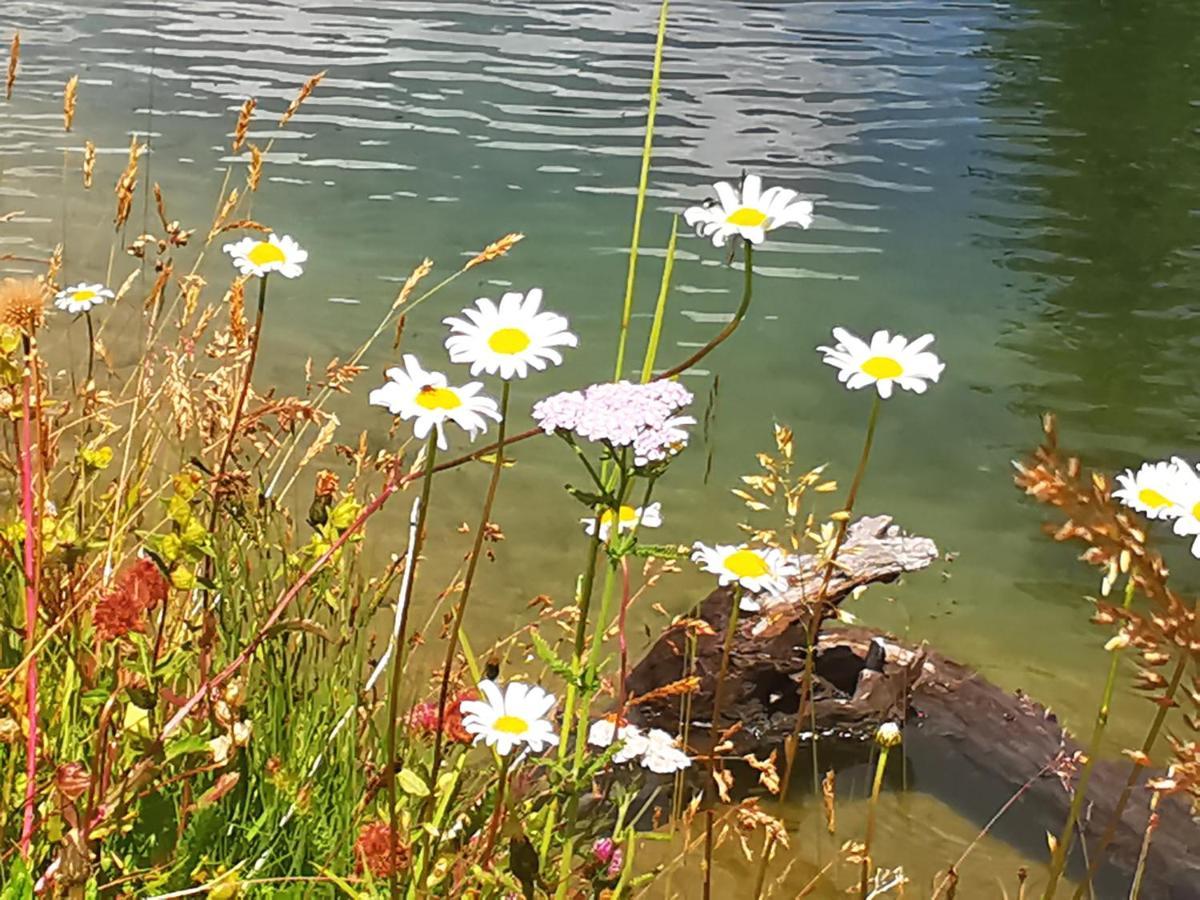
31, 610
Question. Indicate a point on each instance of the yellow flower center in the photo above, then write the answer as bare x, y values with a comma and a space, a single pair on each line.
508, 341
83, 296
264, 253
627, 514
883, 367
746, 564
1153, 498
432, 397
747, 216
511, 725
1196, 511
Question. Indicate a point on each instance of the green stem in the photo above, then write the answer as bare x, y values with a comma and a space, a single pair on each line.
880, 765
398, 661
660, 307
643, 179
1058, 861
738, 315
91, 338
715, 734
792, 742
1135, 771
469, 580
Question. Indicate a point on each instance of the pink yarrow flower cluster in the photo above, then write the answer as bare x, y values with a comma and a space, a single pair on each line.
641, 416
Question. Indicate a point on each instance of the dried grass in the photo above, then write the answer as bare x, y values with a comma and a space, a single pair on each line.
305, 92
70, 97
14, 60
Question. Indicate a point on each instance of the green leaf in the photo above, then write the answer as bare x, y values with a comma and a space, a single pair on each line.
193, 743
550, 658
412, 783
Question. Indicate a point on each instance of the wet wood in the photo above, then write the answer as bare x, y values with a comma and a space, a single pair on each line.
967, 741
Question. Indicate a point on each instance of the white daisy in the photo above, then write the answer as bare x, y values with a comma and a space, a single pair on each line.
663, 754
510, 337
82, 297
1155, 488
886, 361
633, 741
413, 393
507, 720
627, 517
261, 258
751, 214
1187, 500
756, 570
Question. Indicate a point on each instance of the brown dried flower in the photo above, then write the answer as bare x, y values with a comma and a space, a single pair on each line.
140, 587
72, 780
89, 163
327, 484
23, 303
14, 59
373, 851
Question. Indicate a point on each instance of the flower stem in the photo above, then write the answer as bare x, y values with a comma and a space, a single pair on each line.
469, 580
30, 519
880, 765
739, 314
209, 632
715, 734
91, 338
815, 618
1059, 860
494, 824
398, 663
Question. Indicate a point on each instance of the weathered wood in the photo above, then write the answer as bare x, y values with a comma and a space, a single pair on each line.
967, 741
762, 688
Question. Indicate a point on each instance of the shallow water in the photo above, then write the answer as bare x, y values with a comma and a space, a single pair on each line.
1020, 178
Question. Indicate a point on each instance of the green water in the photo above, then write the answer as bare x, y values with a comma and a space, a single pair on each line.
1020, 178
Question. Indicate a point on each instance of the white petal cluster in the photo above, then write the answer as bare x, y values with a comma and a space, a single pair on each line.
886, 361
655, 750
82, 298
509, 338
514, 718
279, 254
749, 213
755, 569
430, 401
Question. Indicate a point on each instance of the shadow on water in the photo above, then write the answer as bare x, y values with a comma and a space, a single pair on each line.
1096, 108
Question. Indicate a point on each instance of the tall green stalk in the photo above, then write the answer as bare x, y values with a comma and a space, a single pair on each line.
398, 661
885, 740
1062, 851
643, 179
660, 306
468, 581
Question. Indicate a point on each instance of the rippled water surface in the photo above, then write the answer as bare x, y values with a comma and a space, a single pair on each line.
1021, 178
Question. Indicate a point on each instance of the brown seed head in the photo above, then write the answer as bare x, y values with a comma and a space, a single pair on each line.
89, 163
495, 249
69, 99
23, 303
255, 174
14, 59
243, 123
305, 91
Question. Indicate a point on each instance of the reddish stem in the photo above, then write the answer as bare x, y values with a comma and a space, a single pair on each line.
31, 605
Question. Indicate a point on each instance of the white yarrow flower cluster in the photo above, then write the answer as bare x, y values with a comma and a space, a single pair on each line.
621, 414
656, 750
627, 518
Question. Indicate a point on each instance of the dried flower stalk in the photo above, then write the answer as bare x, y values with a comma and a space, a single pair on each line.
127, 183
411, 282
223, 214
255, 174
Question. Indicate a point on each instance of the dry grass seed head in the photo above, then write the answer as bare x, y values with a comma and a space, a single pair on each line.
14, 59
70, 96
305, 91
495, 249
23, 303
89, 163
410, 283
243, 123
127, 183
255, 174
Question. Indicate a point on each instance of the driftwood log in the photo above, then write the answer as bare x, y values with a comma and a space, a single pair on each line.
967, 741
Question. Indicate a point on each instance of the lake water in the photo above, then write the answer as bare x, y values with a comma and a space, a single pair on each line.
1020, 178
